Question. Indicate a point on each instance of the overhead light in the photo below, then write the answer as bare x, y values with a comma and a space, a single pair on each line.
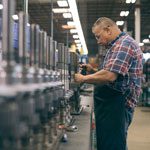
146, 41
75, 15
67, 15
130, 1
75, 36
62, 3
15, 17
141, 44
71, 23
133, 1
149, 36
120, 23
67, 27
79, 45
61, 10
28, 24
77, 41
124, 13
73, 31
1, 6
146, 56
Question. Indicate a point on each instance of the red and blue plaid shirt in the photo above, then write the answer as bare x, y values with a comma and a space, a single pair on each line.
124, 57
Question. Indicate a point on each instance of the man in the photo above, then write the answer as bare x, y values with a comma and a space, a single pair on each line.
117, 84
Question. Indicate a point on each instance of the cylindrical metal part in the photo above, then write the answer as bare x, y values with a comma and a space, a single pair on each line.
26, 6
40, 49
54, 54
7, 30
66, 55
51, 53
23, 50
44, 49
34, 44
48, 53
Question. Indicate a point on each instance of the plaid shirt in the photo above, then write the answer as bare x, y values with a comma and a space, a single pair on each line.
124, 57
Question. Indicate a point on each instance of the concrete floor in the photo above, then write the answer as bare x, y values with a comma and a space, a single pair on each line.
139, 131
138, 134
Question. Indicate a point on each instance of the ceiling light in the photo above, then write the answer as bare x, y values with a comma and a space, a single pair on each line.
124, 13
67, 27
15, 17
149, 36
1, 6
77, 41
71, 23
78, 45
130, 1
120, 23
75, 15
75, 36
67, 15
73, 31
146, 41
141, 44
61, 10
133, 1
62, 3
146, 56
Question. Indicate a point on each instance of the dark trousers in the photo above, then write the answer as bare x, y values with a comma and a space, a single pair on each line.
110, 116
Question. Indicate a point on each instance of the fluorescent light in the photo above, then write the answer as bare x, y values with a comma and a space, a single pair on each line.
73, 31
124, 13
78, 45
130, 1
62, 3
67, 15
141, 44
77, 41
15, 17
120, 23
1, 6
146, 56
75, 36
61, 10
133, 1
75, 15
146, 41
71, 23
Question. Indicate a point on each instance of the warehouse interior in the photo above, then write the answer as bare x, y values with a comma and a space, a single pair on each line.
42, 43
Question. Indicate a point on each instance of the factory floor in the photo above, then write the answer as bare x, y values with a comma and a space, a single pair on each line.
138, 135
139, 131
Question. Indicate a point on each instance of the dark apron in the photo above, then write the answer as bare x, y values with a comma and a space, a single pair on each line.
110, 118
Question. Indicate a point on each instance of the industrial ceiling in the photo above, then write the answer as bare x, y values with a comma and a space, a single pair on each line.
89, 12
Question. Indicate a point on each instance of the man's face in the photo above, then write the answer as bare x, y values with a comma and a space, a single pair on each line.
101, 35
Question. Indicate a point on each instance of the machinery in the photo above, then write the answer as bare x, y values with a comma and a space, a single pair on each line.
35, 85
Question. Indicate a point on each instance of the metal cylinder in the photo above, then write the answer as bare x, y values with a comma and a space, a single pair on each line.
34, 44
51, 53
23, 50
7, 30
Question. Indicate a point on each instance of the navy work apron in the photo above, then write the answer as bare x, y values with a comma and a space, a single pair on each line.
109, 106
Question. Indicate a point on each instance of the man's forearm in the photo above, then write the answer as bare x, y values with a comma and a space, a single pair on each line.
100, 77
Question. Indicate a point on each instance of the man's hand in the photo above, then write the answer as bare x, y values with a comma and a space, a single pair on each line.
89, 68
79, 78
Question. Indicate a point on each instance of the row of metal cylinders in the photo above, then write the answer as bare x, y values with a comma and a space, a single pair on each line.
31, 89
